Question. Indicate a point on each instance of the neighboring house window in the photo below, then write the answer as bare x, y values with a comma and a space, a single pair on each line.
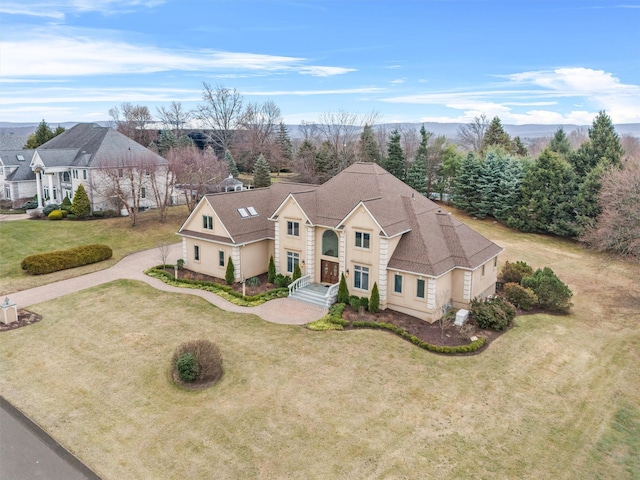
120, 173
55, 193
84, 174
75, 174
220, 257
65, 176
7, 192
292, 260
143, 192
361, 277
420, 288
495, 262
483, 270
196, 253
330, 243
397, 283
207, 222
362, 239
293, 229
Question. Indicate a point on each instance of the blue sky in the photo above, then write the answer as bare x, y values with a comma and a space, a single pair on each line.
527, 61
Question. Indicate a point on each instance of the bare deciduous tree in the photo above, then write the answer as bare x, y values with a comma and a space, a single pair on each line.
134, 122
196, 171
174, 118
471, 135
221, 113
443, 305
259, 126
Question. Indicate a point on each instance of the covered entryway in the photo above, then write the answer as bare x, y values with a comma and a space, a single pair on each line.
329, 272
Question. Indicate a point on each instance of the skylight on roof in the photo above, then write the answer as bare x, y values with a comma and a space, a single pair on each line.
20, 158
243, 212
252, 211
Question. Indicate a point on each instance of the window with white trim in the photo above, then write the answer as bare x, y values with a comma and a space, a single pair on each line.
196, 253
293, 259
361, 277
84, 174
293, 229
363, 239
143, 192
207, 222
221, 258
420, 288
397, 283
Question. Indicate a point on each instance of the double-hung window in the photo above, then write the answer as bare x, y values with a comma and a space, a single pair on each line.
363, 239
420, 288
361, 277
397, 283
207, 222
221, 258
293, 229
143, 192
293, 259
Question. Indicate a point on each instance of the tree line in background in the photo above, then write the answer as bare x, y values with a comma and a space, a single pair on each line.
581, 185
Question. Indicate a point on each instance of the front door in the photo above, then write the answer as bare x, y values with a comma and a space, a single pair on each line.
329, 272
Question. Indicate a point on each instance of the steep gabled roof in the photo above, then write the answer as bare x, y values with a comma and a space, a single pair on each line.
90, 145
23, 172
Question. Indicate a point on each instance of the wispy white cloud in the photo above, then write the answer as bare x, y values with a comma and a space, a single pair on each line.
49, 55
301, 93
58, 9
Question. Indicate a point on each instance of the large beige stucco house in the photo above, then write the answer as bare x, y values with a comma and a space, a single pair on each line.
364, 223
96, 157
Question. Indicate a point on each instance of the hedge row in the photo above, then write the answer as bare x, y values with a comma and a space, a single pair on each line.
224, 291
42, 263
334, 321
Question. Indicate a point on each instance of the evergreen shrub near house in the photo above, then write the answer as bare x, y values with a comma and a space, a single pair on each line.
282, 281
553, 294
50, 208
198, 361
66, 204
229, 275
48, 262
81, 206
253, 282
271, 272
106, 214
374, 301
297, 273
494, 313
56, 215
514, 272
343, 291
521, 297
354, 302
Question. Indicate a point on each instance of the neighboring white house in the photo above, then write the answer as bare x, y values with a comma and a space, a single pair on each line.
363, 223
86, 154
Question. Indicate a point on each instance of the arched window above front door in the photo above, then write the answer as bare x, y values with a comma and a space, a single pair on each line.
330, 244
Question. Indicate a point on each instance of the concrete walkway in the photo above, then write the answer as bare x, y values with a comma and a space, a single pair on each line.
282, 310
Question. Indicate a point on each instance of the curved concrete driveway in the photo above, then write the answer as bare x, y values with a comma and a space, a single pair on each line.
281, 310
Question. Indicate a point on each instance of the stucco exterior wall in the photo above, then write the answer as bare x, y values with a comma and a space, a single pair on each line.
255, 258
484, 279
361, 221
208, 263
290, 212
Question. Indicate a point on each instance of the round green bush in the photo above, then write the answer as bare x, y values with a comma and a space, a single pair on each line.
197, 362
55, 215
494, 313
521, 297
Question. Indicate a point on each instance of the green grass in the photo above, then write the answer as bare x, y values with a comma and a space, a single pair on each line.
26, 237
555, 397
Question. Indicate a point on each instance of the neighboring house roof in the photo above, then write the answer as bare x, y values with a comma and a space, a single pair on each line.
229, 182
90, 145
20, 169
432, 241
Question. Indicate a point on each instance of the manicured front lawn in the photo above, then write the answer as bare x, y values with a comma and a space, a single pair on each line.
26, 237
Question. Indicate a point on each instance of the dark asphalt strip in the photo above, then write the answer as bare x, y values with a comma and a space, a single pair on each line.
45, 438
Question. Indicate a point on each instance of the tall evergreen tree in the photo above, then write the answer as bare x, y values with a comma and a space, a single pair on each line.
451, 162
81, 206
548, 192
603, 147
327, 163
305, 164
518, 147
369, 149
496, 136
285, 147
395, 163
261, 173
42, 135
233, 167
465, 189
560, 143
416, 175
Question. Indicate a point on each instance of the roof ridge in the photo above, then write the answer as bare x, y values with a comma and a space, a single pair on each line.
414, 224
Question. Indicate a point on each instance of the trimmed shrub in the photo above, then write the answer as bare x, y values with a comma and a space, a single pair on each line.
521, 297
552, 293
343, 290
271, 273
229, 275
282, 281
29, 204
106, 214
43, 263
253, 282
180, 263
55, 215
515, 272
354, 302
297, 273
198, 361
81, 206
493, 313
374, 302
50, 208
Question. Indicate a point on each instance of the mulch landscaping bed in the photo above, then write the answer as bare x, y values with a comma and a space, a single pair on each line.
250, 290
25, 317
425, 331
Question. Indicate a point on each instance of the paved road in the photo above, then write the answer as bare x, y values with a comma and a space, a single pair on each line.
28, 453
